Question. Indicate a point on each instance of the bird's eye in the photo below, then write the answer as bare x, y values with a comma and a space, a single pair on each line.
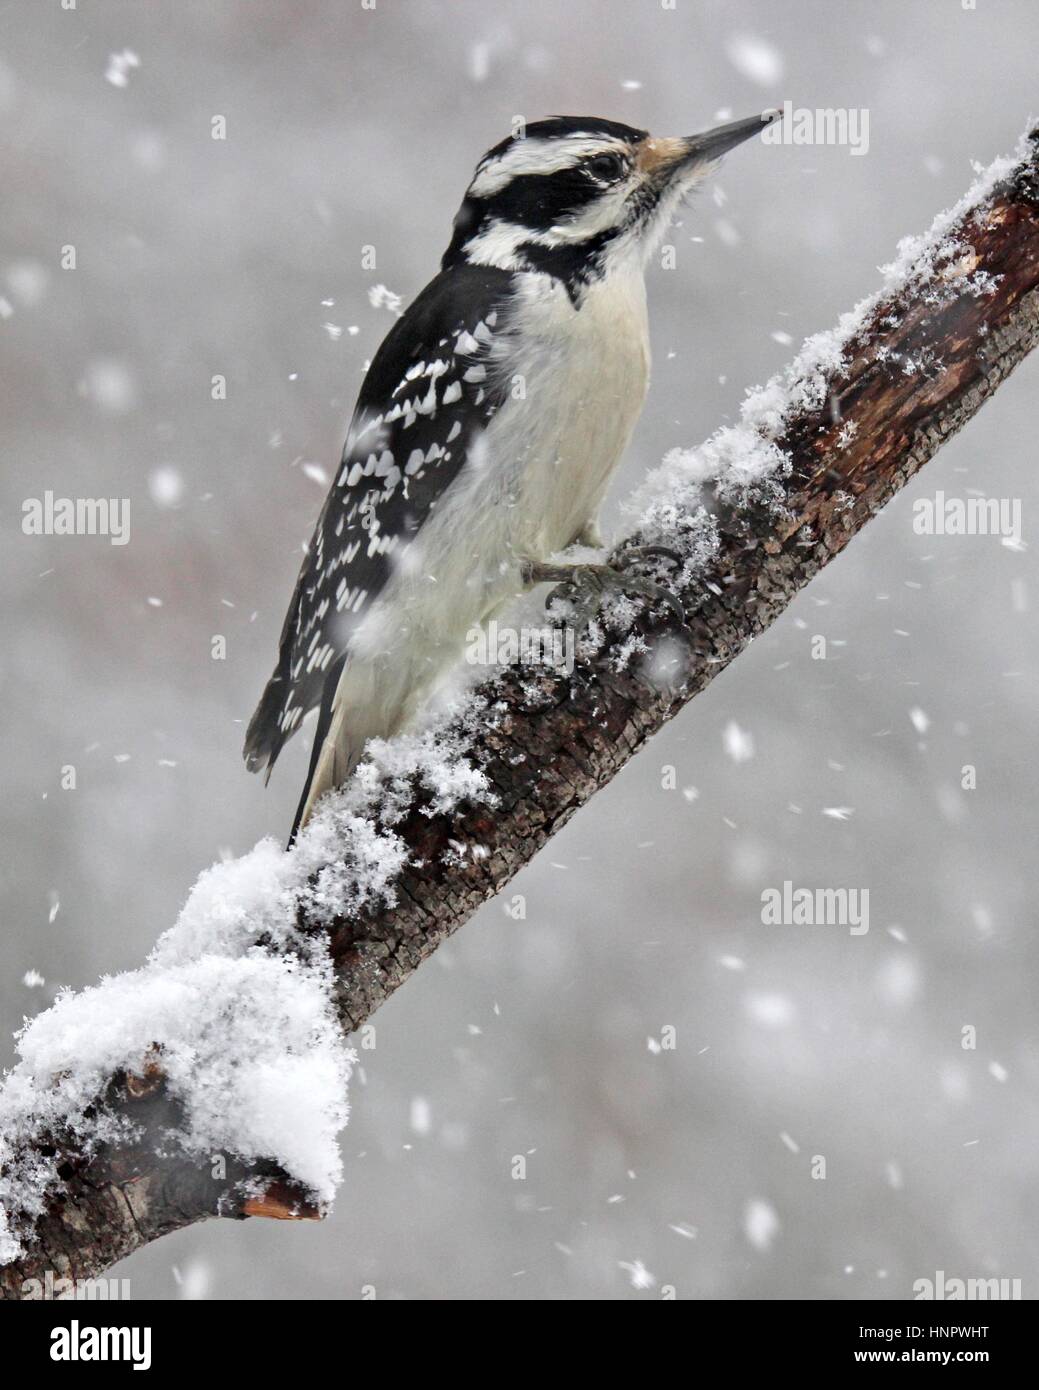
606, 167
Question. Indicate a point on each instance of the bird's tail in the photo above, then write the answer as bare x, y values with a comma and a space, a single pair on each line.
362, 699
265, 735
318, 771
356, 705
331, 763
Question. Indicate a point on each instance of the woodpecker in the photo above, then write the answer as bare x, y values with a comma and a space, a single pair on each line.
487, 429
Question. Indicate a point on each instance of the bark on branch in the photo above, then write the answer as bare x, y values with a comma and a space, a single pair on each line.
915, 372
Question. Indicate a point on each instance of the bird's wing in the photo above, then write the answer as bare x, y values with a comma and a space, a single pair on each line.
428, 394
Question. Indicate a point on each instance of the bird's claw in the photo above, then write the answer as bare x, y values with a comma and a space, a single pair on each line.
585, 586
634, 553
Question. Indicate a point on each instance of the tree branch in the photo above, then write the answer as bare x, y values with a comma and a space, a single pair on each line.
863, 411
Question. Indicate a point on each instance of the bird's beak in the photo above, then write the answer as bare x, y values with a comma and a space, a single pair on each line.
673, 157
712, 144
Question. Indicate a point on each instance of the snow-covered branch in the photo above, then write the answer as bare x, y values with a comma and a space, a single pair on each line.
213, 1080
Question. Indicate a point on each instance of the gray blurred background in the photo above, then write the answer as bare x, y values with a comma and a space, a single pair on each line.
197, 257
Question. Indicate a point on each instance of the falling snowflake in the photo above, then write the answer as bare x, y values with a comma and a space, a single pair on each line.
421, 1116
120, 65
738, 743
755, 59
760, 1224
921, 723
166, 486
640, 1275
379, 297
770, 1010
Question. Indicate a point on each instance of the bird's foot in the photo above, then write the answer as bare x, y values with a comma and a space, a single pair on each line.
585, 586
635, 553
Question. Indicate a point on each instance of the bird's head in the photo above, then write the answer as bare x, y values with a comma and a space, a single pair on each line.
576, 196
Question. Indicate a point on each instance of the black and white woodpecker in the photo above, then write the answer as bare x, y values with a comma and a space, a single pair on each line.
487, 429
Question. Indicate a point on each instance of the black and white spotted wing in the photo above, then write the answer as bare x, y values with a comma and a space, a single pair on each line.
427, 396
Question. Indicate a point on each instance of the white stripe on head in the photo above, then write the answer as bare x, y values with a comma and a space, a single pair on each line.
537, 156
598, 215
498, 245
499, 242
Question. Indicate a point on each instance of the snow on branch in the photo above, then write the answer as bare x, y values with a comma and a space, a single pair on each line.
233, 1011
212, 1081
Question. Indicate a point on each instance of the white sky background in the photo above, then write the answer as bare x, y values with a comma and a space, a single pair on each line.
196, 257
